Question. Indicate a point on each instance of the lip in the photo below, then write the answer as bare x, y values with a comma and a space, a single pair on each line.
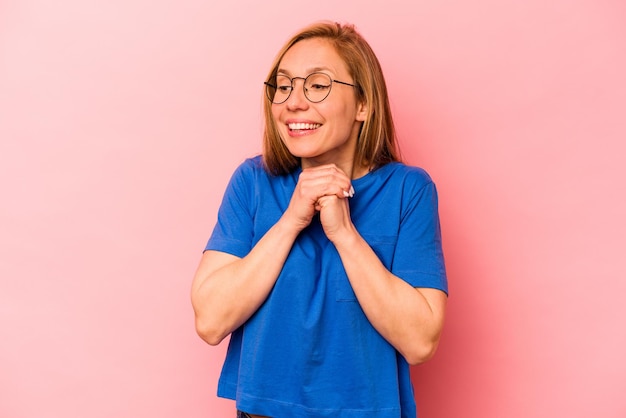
301, 127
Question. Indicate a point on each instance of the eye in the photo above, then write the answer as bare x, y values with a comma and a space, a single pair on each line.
318, 83
283, 84
319, 87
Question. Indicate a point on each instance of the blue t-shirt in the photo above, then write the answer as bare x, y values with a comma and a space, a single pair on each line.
309, 351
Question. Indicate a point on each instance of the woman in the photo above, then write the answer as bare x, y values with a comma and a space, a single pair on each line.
325, 266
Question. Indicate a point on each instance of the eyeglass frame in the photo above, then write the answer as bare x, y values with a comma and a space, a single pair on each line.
304, 79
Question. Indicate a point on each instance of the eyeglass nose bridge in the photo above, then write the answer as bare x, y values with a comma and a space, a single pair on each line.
293, 79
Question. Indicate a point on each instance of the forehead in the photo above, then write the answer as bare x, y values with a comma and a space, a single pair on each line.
312, 55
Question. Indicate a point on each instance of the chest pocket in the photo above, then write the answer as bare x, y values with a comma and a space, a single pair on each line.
384, 247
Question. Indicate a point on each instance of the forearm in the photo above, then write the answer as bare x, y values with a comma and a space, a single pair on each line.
410, 319
224, 297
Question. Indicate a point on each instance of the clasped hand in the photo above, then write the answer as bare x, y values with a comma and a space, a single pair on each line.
324, 189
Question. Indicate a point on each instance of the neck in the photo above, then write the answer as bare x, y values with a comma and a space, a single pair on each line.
349, 167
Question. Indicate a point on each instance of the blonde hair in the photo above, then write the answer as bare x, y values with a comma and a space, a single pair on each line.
376, 144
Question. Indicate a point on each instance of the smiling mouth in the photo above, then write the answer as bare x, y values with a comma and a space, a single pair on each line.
303, 126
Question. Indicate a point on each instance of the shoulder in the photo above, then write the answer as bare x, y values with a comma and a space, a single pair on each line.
407, 176
248, 171
250, 166
252, 176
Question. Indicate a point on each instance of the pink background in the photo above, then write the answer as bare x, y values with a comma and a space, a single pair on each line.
121, 122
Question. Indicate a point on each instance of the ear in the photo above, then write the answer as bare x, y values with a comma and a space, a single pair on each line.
361, 112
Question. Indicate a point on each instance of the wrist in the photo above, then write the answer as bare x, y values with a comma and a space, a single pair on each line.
289, 225
345, 238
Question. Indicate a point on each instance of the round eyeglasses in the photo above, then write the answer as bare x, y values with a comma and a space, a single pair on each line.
316, 87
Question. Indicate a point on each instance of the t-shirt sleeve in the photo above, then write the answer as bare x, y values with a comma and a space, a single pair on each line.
234, 228
419, 255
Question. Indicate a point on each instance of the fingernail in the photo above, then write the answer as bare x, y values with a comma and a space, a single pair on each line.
351, 191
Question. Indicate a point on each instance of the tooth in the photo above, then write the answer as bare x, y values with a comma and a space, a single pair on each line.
302, 126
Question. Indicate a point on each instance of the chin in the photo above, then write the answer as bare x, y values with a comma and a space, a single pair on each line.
298, 152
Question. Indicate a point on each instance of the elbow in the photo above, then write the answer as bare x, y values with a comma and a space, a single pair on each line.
421, 353
207, 327
209, 334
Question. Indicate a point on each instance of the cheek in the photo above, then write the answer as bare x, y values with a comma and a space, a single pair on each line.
343, 110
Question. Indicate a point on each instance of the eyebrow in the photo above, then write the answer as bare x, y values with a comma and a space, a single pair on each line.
310, 70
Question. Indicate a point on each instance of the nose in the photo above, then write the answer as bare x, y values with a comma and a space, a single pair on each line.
297, 100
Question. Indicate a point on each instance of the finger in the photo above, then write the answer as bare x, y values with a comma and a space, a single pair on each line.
325, 201
329, 170
325, 181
